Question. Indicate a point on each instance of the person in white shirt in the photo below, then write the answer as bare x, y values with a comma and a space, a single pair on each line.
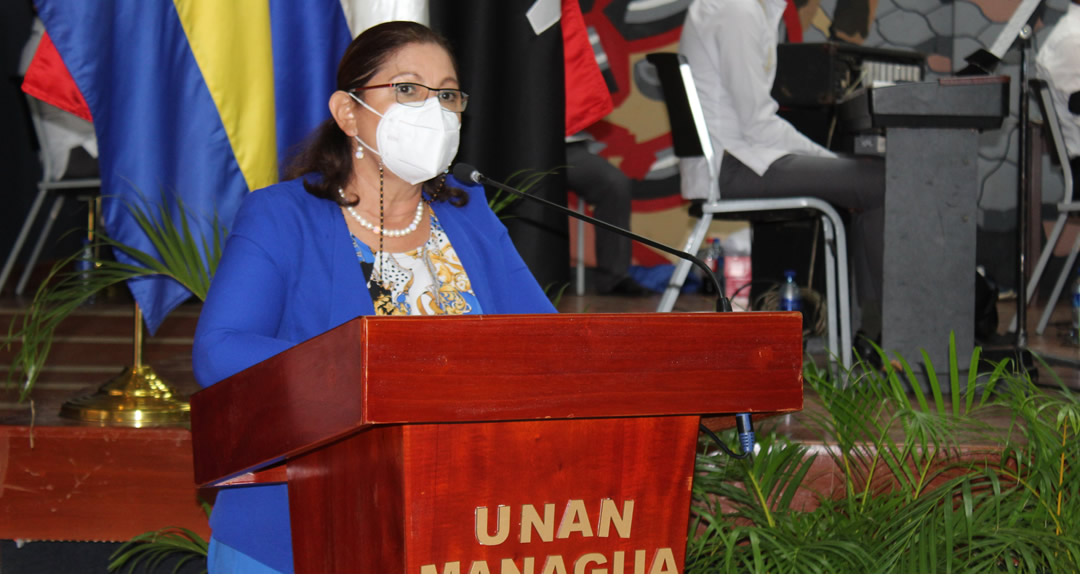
731, 48
1058, 62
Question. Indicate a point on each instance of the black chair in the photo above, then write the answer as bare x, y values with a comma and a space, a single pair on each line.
51, 184
690, 138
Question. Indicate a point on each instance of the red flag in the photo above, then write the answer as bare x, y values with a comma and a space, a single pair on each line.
587, 97
792, 22
48, 80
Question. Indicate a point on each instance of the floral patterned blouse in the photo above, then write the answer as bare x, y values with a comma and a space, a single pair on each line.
427, 281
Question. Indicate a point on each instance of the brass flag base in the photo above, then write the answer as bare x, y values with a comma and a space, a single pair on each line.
135, 398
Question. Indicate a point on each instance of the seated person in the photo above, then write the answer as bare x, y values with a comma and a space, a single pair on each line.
1059, 64
607, 189
367, 223
731, 48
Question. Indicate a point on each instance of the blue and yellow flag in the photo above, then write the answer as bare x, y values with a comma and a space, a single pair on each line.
200, 99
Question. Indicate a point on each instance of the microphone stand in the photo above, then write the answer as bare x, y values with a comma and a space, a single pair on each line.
1023, 194
984, 62
1019, 351
466, 173
744, 424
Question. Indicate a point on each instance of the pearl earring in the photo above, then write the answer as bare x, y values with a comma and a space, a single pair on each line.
359, 148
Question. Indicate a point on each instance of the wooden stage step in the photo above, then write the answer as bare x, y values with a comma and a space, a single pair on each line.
92, 346
66, 480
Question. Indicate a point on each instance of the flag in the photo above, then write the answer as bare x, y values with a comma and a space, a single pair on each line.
48, 80
200, 99
588, 99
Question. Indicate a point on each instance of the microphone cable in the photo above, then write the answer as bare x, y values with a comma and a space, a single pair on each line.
747, 447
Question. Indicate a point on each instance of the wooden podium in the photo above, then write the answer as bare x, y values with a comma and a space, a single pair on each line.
532, 443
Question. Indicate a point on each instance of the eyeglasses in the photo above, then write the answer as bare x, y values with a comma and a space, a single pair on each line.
412, 94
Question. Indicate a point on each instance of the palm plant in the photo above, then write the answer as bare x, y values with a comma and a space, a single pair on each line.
146, 552
186, 259
524, 180
908, 497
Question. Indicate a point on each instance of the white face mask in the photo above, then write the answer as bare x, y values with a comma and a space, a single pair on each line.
416, 142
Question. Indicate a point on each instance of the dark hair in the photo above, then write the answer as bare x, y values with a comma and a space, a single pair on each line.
327, 151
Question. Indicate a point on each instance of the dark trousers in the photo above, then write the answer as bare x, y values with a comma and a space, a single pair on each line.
855, 185
607, 189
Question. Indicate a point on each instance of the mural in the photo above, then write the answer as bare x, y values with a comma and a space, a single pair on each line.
636, 137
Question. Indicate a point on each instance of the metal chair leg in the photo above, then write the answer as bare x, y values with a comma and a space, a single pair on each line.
9, 264
843, 292
827, 211
682, 268
830, 216
830, 292
1070, 262
53, 213
1040, 267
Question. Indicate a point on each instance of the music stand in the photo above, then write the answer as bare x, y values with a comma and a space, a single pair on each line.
1017, 30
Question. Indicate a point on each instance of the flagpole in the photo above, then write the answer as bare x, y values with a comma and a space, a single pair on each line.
136, 397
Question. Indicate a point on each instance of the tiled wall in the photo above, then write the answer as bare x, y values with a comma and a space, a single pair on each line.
947, 32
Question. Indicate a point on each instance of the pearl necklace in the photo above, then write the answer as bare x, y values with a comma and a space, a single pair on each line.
378, 230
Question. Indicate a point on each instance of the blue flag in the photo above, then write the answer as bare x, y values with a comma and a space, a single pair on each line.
200, 99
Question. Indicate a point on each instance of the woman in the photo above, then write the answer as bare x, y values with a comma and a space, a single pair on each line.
368, 223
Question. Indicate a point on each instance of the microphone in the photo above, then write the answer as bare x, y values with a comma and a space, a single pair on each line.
466, 173
745, 428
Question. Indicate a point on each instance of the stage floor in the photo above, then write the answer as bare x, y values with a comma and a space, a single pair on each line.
95, 344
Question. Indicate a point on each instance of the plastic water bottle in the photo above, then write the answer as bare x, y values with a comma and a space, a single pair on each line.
789, 293
737, 268
83, 264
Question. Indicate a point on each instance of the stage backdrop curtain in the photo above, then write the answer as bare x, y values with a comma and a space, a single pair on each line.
201, 100
516, 116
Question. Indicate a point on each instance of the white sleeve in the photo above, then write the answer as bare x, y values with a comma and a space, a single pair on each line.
1064, 69
741, 61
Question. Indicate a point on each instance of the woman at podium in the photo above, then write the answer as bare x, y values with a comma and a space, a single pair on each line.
368, 222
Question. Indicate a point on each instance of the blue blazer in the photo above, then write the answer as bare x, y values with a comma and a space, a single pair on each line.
289, 272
